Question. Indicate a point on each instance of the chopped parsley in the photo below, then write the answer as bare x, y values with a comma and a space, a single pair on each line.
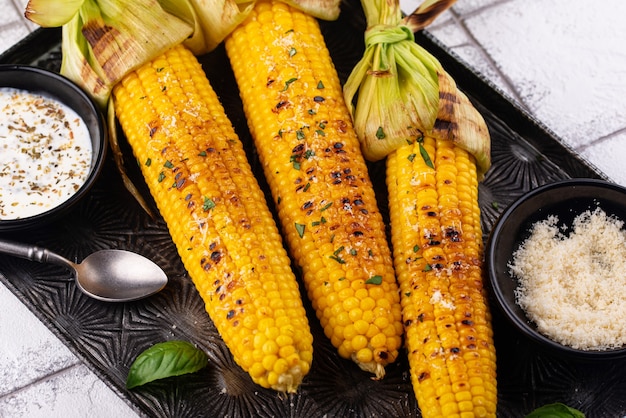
289, 82
300, 229
326, 206
424, 154
374, 280
208, 204
380, 134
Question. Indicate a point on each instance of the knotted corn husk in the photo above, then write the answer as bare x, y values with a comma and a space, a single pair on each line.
398, 92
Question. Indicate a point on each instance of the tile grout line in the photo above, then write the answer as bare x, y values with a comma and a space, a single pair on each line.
18, 6
12, 24
460, 21
21, 11
600, 140
41, 379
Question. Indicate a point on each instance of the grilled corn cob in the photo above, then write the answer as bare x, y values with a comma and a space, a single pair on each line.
437, 241
302, 130
197, 172
409, 111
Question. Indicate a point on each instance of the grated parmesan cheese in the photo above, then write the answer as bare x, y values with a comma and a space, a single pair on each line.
573, 286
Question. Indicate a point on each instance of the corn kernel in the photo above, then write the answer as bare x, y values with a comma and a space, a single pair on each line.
345, 349
281, 366
361, 293
379, 340
361, 327
365, 355
355, 314
350, 303
284, 339
268, 361
359, 342
466, 405
349, 332
367, 304
287, 351
270, 347
343, 319
257, 370
272, 333
272, 378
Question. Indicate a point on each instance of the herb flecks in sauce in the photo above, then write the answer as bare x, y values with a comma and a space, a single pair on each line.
45, 153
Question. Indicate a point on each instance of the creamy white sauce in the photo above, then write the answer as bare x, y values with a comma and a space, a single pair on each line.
45, 153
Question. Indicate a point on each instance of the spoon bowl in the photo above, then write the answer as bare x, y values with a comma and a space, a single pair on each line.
106, 275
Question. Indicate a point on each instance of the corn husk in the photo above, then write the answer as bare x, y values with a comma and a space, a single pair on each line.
212, 20
398, 92
51, 13
460, 122
322, 9
103, 40
397, 98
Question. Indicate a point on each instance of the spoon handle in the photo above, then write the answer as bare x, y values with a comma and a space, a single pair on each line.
32, 252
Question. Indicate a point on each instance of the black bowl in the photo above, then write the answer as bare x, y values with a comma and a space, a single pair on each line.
566, 199
53, 85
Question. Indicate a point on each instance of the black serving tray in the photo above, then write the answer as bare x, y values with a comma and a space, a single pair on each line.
108, 337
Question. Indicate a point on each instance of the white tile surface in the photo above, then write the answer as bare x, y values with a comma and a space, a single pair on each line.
11, 33
26, 357
609, 155
458, 39
74, 392
568, 72
562, 59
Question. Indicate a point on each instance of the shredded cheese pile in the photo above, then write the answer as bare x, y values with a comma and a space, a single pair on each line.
573, 286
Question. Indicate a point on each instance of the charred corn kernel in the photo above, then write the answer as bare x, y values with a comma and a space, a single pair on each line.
197, 171
313, 164
437, 240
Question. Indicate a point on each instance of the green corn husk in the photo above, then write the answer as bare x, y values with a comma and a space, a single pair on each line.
212, 20
397, 96
398, 91
103, 40
51, 13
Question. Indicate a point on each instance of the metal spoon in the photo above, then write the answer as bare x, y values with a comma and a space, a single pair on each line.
107, 275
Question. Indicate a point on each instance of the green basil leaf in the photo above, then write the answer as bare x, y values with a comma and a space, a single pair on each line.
170, 358
555, 410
